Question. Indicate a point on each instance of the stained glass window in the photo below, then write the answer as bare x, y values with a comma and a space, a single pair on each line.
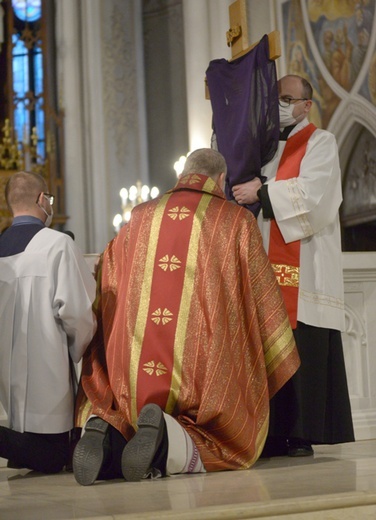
28, 73
30, 91
27, 10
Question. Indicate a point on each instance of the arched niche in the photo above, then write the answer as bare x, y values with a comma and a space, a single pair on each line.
358, 211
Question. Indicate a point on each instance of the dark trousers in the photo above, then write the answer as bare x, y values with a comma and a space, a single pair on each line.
314, 404
45, 453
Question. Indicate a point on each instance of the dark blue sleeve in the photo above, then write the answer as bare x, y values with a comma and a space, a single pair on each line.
15, 239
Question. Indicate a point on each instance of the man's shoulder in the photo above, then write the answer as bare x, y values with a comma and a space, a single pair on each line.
52, 235
307, 123
321, 137
322, 131
318, 136
48, 239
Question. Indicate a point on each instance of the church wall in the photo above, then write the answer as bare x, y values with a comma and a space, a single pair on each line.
123, 81
69, 65
101, 83
359, 339
165, 82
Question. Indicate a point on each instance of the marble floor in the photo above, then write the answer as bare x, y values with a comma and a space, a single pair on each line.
339, 482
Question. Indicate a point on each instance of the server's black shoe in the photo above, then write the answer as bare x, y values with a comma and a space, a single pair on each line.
299, 448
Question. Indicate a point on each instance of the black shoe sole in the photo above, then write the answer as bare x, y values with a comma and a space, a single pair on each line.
89, 453
138, 454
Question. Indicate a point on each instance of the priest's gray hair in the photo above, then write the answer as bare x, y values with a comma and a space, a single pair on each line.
206, 161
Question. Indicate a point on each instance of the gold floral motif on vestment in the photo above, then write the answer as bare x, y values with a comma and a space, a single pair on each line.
160, 316
180, 213
287, 275
190, 179
158, 369
171, 264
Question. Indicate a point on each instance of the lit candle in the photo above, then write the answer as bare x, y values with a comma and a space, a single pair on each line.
124, 196
133, 194
179, 165
145, 190
154, 193
118, 219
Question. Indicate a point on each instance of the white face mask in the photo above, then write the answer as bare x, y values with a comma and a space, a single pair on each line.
48, 220
285, 116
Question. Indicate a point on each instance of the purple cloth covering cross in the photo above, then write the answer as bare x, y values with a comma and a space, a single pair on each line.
244, 98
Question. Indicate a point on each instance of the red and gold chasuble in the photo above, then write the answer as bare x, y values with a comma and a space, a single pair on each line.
285, 258
190, 318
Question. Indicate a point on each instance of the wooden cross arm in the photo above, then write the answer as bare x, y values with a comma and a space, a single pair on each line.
274, 47
274, 53
237, 35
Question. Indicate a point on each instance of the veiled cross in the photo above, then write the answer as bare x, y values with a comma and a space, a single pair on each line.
237, 36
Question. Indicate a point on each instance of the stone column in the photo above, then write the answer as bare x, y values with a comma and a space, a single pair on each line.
101, 78
205, 26
68, 39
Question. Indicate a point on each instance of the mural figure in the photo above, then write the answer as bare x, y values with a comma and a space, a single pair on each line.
342, 30
341, 58
359, 52
301, 62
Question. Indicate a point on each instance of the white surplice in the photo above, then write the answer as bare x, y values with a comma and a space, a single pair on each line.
46, 296
306, 209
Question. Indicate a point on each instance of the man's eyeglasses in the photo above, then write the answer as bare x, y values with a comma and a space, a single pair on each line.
286, 101
48, 196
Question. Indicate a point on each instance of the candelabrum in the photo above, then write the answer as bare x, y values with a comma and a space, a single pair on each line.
10, 155
15, 155
32, 160
139, 193
129, 199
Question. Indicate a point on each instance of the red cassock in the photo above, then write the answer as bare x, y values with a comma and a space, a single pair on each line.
190, 317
